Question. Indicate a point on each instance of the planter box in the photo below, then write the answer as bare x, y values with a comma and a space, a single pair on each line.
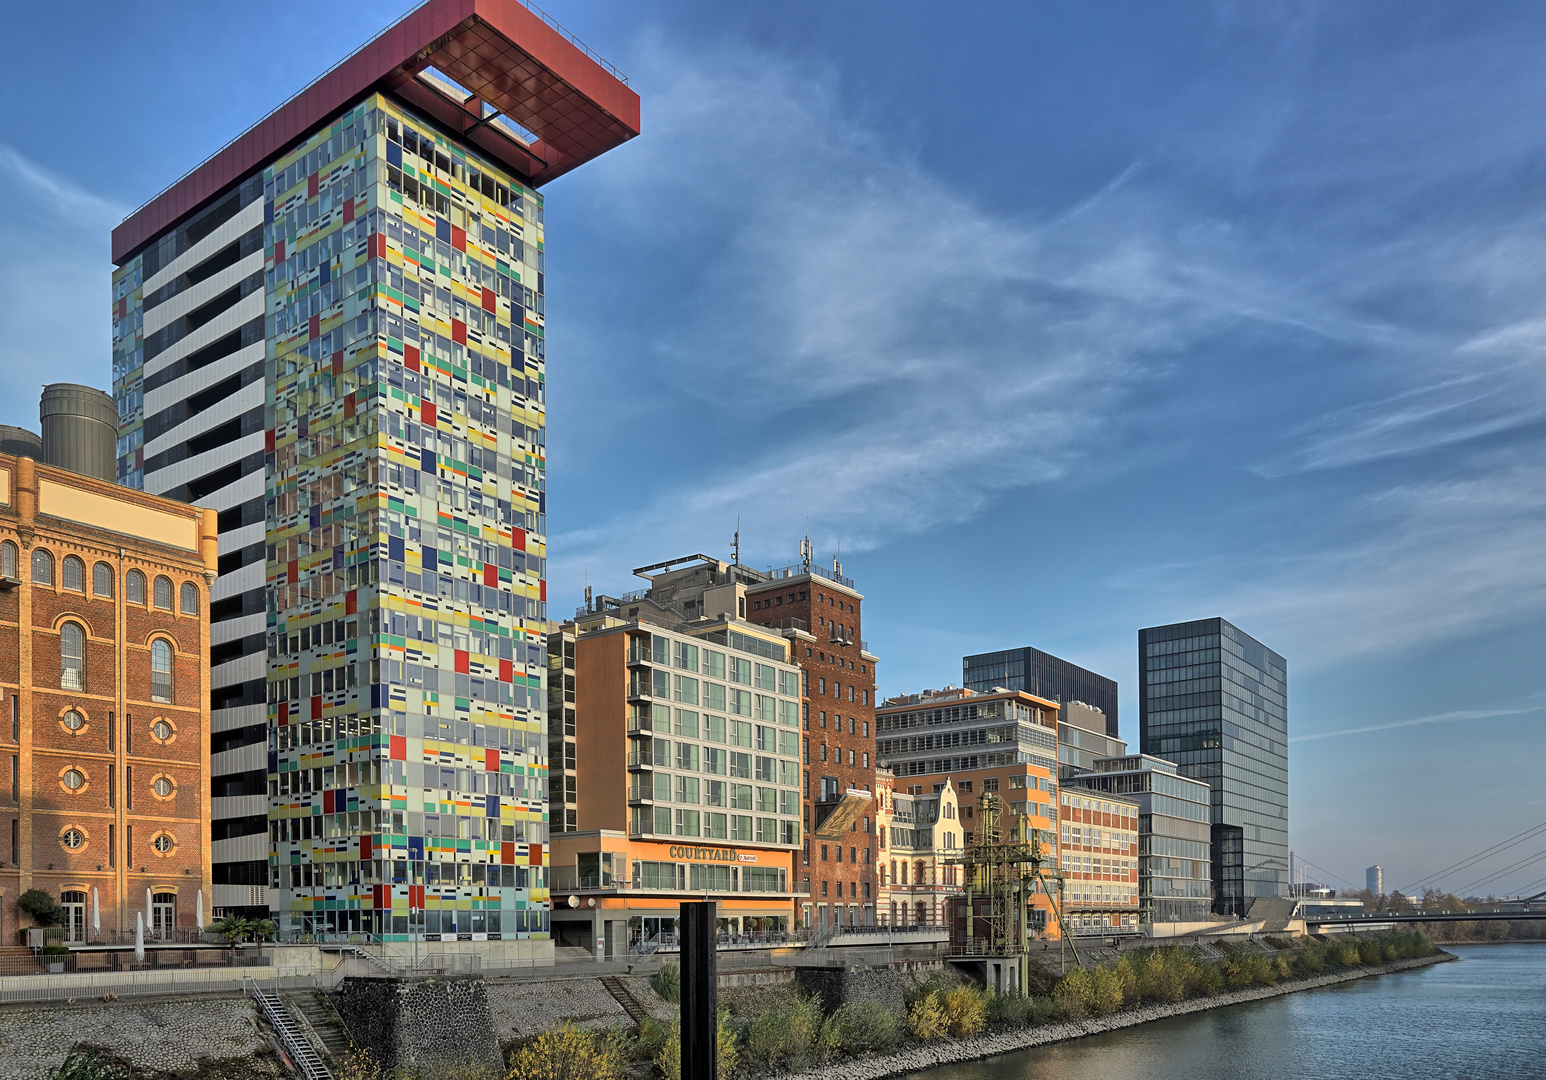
55, 967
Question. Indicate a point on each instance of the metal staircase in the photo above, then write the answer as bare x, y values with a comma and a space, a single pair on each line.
624, 997
294, 1041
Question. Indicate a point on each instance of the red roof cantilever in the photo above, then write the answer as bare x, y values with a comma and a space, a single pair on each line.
500, 50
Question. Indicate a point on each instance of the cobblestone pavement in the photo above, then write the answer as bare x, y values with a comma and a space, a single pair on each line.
170, 1035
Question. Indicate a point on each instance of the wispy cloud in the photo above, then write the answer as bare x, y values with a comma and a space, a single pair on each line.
1377, 573
1419, 721
62, 203
55, 280
884, 354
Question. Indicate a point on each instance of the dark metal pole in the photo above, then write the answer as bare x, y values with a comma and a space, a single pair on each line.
700, 1060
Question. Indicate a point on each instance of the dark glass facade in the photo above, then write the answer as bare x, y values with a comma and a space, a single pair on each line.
1044, 675
1214, 700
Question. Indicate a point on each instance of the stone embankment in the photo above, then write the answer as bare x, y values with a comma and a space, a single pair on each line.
920, 1056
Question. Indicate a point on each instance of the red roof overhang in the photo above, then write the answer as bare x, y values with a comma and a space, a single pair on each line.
499, 49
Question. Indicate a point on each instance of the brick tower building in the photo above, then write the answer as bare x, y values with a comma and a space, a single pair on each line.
821, 612
104, 703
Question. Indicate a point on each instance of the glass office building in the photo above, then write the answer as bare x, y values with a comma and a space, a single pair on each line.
1174, 866
1214, 700
1044, 675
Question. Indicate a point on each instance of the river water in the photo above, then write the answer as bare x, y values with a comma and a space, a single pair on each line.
1478, 1018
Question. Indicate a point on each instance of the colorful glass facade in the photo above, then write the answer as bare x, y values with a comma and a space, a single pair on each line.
402, 281
405, 326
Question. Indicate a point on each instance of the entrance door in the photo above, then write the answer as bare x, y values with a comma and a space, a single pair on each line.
163, 915
74, 905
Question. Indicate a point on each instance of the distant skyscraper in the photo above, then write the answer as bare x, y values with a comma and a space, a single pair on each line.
1215, 701
1044, 675
1374, 880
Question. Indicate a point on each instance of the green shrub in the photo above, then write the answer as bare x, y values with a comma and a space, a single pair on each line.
1207, 980
1074, 993
926, 1016
652, 1036
1043, 1010
966, 1010
1010, 1010
667, 982
1164, 975
568, 1052
1090, 992
863, 1027
89, 1063
669, 1060
1127, 980
1311, 959
43, 908
1371, 951
1107, 986
787, 1034
53, 948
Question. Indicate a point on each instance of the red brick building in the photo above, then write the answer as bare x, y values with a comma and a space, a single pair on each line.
821, 613
104, 702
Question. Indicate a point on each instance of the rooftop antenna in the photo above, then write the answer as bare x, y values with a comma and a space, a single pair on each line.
735, 543
837, 560
805, 548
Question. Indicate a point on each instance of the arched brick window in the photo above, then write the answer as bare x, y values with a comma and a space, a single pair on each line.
72, 657
160, 670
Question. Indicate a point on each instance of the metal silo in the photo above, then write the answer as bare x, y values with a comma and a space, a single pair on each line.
19, 442
80, 430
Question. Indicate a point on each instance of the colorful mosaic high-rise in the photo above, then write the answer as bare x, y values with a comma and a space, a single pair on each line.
404, 531
331, 332
405, 534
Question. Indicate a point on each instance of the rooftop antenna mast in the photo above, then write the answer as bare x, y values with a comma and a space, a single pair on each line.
805, 548
735, 543
588, 606
837, 560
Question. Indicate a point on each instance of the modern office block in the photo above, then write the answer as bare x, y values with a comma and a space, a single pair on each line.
104, 707
1098, 845
1043, 675
1214, 700
818, 612
333, 331
687, 777
1174, 835
1374, 880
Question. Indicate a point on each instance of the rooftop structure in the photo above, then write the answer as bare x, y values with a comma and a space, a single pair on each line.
496, 73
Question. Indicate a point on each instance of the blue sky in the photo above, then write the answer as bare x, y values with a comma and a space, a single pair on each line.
1062, 319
